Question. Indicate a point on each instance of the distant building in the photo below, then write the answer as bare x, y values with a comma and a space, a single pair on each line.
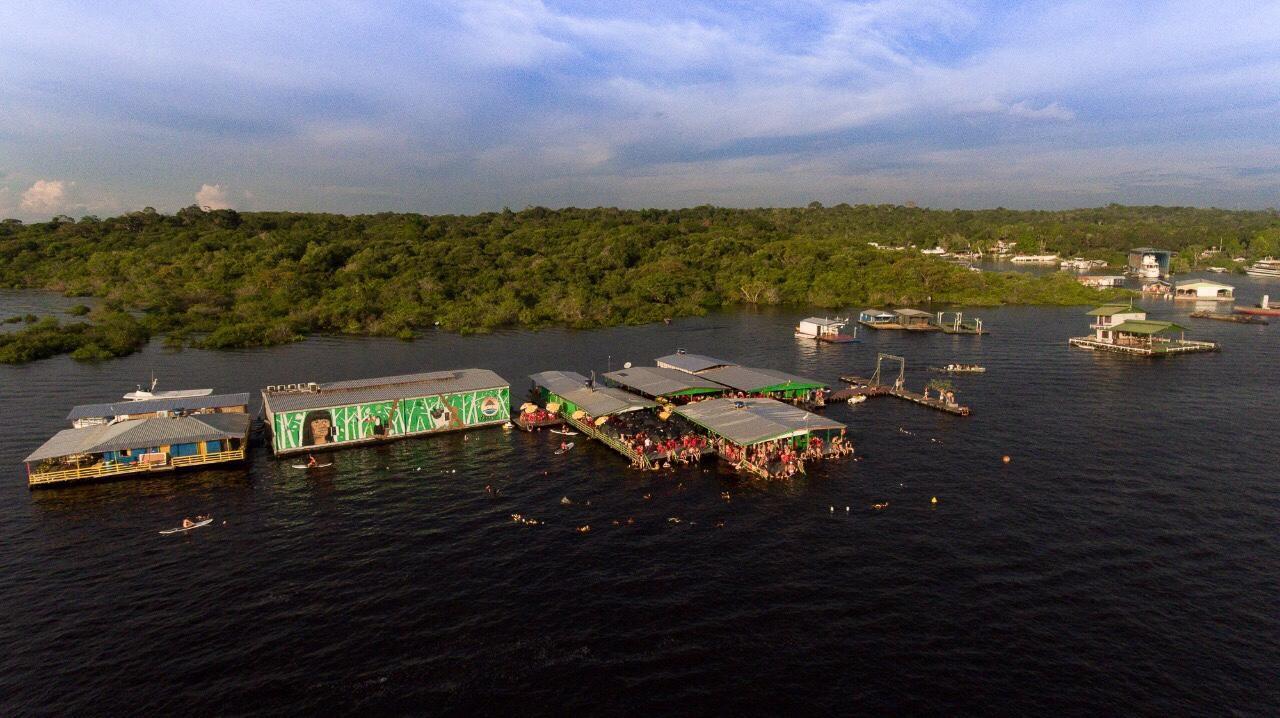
1204, 289
1101, 281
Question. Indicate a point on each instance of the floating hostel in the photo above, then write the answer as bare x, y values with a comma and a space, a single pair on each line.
130, 438
664, 384
759, 435
1125, 329
590, 408
308, 417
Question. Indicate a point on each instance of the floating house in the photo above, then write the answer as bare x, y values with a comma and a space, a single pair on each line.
663, 384
744, 423
1158, 287
915, 320
1125, 329
95, 414
825, 330
878, 319
692, 363
139, 446
1100, 281
310, 417
1149, 262
1205, 290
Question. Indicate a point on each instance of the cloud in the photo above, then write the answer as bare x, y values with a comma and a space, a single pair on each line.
213, 196
45, 196
1024, 109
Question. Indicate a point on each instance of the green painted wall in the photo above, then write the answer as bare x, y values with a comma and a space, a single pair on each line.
293, 430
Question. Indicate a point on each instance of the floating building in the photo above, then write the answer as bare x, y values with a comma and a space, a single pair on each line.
589, 407
1203, 289
309, 417
749, 380
743, 424
910, 319
1125, 329
142, 437
664, 384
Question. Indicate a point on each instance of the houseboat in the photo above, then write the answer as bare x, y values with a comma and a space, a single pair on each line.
1264, 268
1125, 329
310, 417
1204, 290
915, 320
106, 442
1035, 259
878, 319
1100, 281
825, 330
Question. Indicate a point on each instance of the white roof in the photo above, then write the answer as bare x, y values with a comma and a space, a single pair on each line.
1202, 283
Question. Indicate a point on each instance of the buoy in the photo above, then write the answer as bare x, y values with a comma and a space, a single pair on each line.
1006, 459
934, 501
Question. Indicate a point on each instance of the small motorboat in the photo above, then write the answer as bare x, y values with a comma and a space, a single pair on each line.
963, 369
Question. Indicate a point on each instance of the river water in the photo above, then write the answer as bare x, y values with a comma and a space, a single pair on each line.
1127, 558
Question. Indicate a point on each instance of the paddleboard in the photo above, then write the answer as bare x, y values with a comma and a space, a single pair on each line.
563, 432
180, 529
317, 466
566, 448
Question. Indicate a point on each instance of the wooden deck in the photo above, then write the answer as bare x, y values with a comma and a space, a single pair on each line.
1184, 346
102, 470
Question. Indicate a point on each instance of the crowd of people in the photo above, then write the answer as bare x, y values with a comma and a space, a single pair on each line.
657, 444
784, 458
537, 417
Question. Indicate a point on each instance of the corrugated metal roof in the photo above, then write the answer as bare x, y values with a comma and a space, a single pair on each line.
692, 362
601, 401
1146, 326
1110, 310
658, 381
745, 378
751, 421
876, 313
388, 388
824, 322
189, 403
911, 313
142, 434
1202, 283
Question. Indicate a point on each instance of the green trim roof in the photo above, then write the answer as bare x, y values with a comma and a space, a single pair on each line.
1146, 326
1108, 310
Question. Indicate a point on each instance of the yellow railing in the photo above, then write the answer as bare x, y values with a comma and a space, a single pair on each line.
101, 470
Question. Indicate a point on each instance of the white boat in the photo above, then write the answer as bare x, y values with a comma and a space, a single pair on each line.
151, 393
825, 330
1265, 268
1035, 259
181, 529
1217, 270
1150, 268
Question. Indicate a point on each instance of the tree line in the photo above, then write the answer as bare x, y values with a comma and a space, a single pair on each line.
221, 278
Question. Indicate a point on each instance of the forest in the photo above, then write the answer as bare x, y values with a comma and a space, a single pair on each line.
222, 279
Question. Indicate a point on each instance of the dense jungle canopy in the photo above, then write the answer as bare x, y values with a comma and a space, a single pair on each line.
221, 278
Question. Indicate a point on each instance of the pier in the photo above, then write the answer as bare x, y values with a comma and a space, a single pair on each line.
870, 387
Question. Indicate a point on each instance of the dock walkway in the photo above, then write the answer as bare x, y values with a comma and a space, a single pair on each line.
864, 387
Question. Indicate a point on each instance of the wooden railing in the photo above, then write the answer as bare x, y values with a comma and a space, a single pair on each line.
103, 470
593, 432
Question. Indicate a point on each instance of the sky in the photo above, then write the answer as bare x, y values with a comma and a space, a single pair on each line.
461, 107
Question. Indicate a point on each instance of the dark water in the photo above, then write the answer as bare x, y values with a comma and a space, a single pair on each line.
1127, 560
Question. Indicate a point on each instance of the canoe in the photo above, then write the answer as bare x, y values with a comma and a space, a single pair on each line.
180, 529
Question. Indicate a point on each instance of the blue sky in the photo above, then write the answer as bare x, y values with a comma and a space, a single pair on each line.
472, 106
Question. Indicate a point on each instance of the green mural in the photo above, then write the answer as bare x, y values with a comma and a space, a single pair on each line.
389, 419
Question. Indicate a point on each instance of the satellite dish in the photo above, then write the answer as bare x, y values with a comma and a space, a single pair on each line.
627, 365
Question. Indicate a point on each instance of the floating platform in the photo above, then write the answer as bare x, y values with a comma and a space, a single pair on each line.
862, 386
1237, 318
1177, 346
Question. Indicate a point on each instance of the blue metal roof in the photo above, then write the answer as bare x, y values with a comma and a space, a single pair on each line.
149, 406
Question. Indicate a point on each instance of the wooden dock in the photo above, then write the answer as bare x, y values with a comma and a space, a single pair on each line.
869, 387
1237, 318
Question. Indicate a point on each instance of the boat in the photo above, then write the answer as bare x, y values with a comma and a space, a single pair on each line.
963, 369
825, 330
317, 466
1268, 267
857, 398
180, 529
151, 393
564, 432
1264, 308
1216, 270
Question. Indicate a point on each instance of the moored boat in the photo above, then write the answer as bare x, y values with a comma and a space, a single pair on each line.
1264, 268
1264, 308
825, 330
963, 369
151, 393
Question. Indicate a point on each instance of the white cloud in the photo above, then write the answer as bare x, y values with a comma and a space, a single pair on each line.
213, 196
45, 196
